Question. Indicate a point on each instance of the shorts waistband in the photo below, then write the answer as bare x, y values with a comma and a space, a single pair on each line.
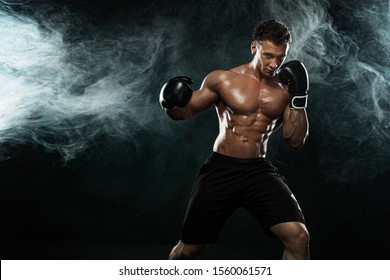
218, 156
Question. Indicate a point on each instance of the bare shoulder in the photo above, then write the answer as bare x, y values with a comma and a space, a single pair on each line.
217, 79
239, 70
218, 76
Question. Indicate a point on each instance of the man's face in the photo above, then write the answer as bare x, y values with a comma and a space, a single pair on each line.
268, 56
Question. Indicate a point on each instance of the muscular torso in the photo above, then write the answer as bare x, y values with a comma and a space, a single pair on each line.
248, 109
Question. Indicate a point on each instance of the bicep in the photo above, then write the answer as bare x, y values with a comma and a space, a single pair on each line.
279, 122
201, 99
204, 97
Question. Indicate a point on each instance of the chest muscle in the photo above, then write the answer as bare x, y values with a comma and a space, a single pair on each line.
249, 97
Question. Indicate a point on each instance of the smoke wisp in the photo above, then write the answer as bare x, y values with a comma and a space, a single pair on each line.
346, 50
65, 80
62, 89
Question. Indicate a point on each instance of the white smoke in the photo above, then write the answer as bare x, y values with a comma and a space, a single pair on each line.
349, 106
65, 82
63, 96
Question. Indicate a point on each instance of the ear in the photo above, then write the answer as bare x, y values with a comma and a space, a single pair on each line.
253, 47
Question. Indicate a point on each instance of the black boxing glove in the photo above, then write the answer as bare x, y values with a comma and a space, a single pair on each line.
176, 92
294, 75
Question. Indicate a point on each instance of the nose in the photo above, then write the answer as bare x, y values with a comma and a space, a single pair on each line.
273, 64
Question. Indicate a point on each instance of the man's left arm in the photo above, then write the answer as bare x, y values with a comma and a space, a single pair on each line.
295, 126
295, 122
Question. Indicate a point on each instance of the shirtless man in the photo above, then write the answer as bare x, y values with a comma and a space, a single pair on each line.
252, 101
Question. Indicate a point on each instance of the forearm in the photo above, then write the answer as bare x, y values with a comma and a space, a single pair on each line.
295, 127
177, 113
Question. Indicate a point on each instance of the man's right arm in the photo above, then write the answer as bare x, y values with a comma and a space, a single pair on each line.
295, 123
199, 101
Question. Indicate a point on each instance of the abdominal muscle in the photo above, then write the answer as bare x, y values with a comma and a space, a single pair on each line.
243, 136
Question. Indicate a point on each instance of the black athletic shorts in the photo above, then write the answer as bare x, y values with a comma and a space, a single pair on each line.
224, 184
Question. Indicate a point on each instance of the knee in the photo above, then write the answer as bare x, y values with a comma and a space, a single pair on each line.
186, 251
298, 239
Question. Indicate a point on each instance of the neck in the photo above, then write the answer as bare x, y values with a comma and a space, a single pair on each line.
254, 71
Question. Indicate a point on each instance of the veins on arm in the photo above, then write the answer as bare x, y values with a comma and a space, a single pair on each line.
295, 127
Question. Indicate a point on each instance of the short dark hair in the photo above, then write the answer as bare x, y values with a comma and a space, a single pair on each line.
272, 30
